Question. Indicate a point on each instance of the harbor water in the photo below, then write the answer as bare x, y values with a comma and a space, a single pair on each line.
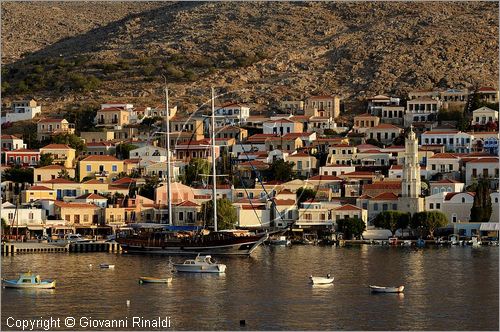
448, 288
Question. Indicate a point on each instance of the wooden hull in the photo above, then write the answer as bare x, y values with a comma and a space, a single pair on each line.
152, 280
380, 289
237, 246
42, 285
217, 268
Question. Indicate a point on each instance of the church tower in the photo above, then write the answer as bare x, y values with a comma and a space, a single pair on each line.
411, 169
410, 200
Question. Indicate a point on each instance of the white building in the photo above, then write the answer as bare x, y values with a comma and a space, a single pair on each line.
482, 168
446, 185
444, 163
26, 216
336, 170
11, 142
282, 127
22, 110
149, 153
484, 115
232, 114
377, 103
454, 140
410, 200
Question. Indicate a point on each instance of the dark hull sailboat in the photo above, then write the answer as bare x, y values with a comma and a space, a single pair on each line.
215, 243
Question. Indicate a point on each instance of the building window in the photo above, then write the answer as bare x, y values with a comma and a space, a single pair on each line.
89, 168
431, 206
438, 205
114, 168
181, 216
375, 206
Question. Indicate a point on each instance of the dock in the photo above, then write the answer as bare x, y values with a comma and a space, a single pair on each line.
12, 248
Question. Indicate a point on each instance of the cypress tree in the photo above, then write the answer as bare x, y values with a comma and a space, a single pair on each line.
481, 208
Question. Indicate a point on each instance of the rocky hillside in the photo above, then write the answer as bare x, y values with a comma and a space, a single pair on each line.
70, 52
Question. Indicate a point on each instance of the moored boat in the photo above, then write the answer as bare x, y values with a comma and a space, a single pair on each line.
321, 280
153, 280
29, 280
201, 264
106, 266
383, 289
280, 241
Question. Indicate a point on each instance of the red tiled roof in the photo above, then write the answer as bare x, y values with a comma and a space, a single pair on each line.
365, 115
484, 160
57, 147
371, 151
112, 109
486, 89
359, 173
450, 195
295, 135
348, 207
91, 196
365, 196
386, 126
39, 188
300, 154
3, 137
285, 192
325, 178
51, 120
101, 158
125, 180
59, 180
52, 167
385, 197
93, 181
284, 201
132, 161
187, 203
75, 205
396, 167
382, 185
279, 120
444, 156
441, 132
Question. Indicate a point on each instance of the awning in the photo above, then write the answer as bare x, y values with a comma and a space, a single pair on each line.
297, 230
490, 226
183, 228
35, 228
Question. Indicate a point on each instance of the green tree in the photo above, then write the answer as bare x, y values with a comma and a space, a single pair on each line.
305, 194
46, 159
194, 171
63, 174
226, 214
373, 141
5, 226
18, 174
481, 208
123, 150
281, 170
429, 221
71, 140
351, 227
148, 189
392, 220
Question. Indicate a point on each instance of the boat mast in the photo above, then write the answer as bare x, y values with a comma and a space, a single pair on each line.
214, 188
169, 191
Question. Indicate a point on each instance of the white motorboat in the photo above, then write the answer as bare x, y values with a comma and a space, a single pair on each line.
321, 280
76, 238
29, 280
382, 289
106, 266
201, 264
475, 241
280, 241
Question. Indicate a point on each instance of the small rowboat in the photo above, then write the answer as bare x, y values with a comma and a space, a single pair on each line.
321, 280
152, 280
381, 289
29, 280
106, 266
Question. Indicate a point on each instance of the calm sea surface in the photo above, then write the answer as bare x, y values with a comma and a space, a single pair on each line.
452, 288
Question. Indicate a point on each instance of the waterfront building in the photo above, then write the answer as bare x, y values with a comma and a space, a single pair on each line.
482, 167
453, 140
34, 193
385, 133
483, 115
363, 122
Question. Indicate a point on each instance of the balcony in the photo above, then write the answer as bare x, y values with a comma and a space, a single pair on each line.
101, 174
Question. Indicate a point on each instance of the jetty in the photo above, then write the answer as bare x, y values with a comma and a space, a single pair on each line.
12, 248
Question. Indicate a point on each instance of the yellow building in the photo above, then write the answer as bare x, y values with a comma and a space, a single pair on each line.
77, 213
100, 167
61, 153
50, 172
37, 192
97, 136
112, 117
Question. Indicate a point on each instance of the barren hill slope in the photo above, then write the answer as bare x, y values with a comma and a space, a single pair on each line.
272, 49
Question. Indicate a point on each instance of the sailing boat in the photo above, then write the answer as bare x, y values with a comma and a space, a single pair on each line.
152, 241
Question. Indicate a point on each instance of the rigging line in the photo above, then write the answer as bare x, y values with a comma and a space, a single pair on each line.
260, 180
251, 204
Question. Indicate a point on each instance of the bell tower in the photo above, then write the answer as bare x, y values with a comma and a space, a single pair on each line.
411, 185
410, 200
